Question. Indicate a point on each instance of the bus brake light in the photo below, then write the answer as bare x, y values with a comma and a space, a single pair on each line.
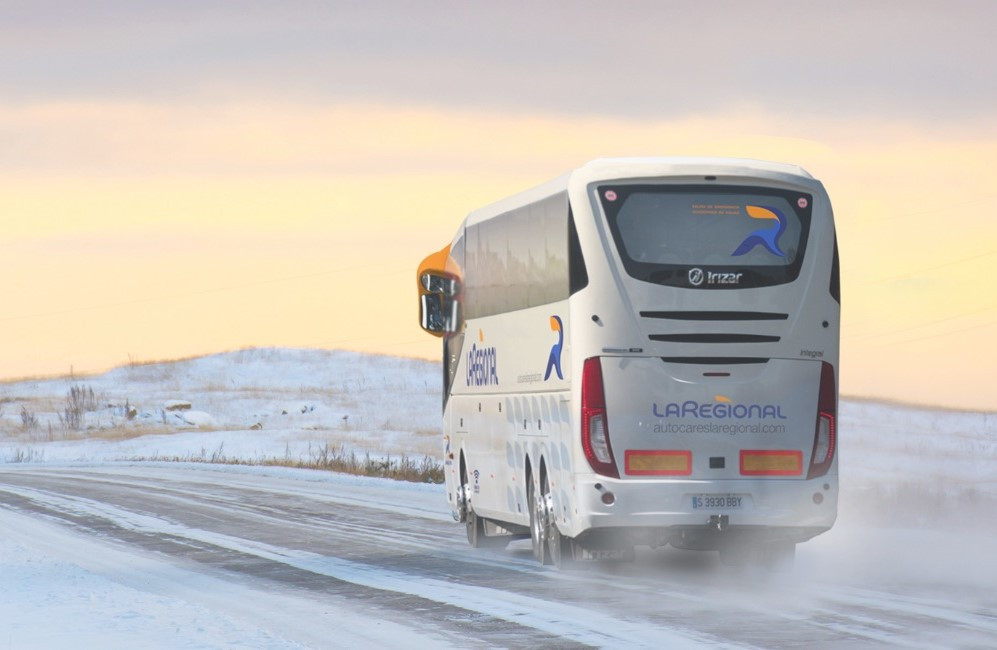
771, 462
658, 462
595, 426
825, 434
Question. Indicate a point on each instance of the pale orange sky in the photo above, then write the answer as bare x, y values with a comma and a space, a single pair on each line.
237, 211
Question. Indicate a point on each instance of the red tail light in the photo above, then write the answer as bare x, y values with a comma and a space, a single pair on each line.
595, 426
825, 435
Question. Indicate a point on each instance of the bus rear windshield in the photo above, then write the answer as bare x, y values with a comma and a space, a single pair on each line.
686, 236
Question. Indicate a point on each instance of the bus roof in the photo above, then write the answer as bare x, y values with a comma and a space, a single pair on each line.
637, 167
688, 166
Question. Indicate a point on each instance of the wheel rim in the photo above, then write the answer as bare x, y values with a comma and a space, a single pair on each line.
554, 543
538, 534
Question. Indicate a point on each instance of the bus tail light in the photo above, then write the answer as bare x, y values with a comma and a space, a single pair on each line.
825, 434
664, 462
595, 426
771, 462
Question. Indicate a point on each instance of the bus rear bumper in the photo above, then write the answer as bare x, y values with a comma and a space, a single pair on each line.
700, 514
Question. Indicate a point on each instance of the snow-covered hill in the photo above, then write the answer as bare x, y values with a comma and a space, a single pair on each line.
901, 463
245, 405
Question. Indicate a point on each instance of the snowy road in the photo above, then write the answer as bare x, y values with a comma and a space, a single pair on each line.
216, 556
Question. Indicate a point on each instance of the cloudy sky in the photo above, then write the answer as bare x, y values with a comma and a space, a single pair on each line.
188, 177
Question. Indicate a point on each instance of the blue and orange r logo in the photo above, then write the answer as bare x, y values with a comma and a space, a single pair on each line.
767, 237
554, 360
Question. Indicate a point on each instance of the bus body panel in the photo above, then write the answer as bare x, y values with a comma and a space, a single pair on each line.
510, 401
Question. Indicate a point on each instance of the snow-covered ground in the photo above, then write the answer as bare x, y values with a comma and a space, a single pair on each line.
250, 404
901, 469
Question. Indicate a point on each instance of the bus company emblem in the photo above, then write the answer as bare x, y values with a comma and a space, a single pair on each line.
767, 237
554, 359
696, 277
721, 408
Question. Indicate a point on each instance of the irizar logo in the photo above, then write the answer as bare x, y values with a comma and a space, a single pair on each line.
721, 408
697, 276
723, 278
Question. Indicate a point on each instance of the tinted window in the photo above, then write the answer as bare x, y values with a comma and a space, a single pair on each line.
453, 344
518, 259
749, 236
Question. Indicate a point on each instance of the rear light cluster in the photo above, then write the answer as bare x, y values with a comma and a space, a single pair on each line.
825, 434
595, 426
658, 462
771, 462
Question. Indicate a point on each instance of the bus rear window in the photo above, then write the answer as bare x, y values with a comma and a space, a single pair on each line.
683, 235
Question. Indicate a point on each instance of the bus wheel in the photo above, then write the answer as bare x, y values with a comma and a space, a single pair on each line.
476, 536
538, 525
558, 546
475, 530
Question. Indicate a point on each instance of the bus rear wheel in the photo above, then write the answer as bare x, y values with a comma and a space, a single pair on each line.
475, 530
538, 525
559, 547
476, 536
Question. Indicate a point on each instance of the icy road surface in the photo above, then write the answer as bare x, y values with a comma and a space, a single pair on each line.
151, 555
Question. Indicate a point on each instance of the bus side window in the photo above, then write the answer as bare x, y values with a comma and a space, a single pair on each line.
578, 276
453, 344
835, 273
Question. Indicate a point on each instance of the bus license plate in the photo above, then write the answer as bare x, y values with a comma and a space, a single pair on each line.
717, 501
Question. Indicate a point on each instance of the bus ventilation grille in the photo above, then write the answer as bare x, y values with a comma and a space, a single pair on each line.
715, 315
717, 361
714, 338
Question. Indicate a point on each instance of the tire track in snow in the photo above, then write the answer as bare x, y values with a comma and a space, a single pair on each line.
564, 621
650, 601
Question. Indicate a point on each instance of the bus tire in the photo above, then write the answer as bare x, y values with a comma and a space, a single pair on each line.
559, 548
538, 532
475, 529
476, 536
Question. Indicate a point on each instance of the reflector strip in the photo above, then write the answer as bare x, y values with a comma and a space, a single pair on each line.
771, 462
658, 462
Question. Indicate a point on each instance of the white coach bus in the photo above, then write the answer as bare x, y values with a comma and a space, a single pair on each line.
642, 352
